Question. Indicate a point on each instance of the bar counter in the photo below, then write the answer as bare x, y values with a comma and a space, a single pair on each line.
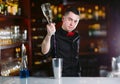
63, 80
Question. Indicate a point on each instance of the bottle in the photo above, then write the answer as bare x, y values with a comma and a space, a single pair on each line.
24, 35
24, 72
114, 64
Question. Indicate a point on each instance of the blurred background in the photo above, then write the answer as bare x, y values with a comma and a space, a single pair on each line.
22, 22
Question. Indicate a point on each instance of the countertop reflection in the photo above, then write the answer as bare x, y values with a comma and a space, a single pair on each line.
63, 80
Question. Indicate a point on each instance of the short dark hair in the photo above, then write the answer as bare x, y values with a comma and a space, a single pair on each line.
72, 9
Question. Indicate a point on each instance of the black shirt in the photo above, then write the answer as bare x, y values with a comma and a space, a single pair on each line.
67, 48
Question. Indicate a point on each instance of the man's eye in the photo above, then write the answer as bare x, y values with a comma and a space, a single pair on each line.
69, 19
75, 21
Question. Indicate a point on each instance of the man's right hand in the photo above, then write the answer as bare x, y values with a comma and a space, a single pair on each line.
51, 29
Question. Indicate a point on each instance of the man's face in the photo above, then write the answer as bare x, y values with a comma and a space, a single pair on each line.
70, 21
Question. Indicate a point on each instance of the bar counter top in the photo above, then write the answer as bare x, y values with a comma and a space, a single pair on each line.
63, 80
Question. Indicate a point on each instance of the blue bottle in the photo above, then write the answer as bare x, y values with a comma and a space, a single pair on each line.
24, 72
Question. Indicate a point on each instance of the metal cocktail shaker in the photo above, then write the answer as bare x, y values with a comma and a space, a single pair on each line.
57, 67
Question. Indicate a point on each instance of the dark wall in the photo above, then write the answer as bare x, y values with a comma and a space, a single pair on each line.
114, 27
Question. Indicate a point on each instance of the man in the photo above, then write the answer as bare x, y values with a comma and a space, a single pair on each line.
64, 42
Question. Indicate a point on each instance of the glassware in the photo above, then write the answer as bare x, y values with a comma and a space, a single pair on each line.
115, 67
4, 70
57, 67
24, 72
47, 12
10, 68
114, 64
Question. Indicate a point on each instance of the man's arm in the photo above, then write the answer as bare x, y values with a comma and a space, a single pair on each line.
45, 47
46, 44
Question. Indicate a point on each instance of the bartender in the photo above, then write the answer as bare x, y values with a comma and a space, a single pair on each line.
64, 42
